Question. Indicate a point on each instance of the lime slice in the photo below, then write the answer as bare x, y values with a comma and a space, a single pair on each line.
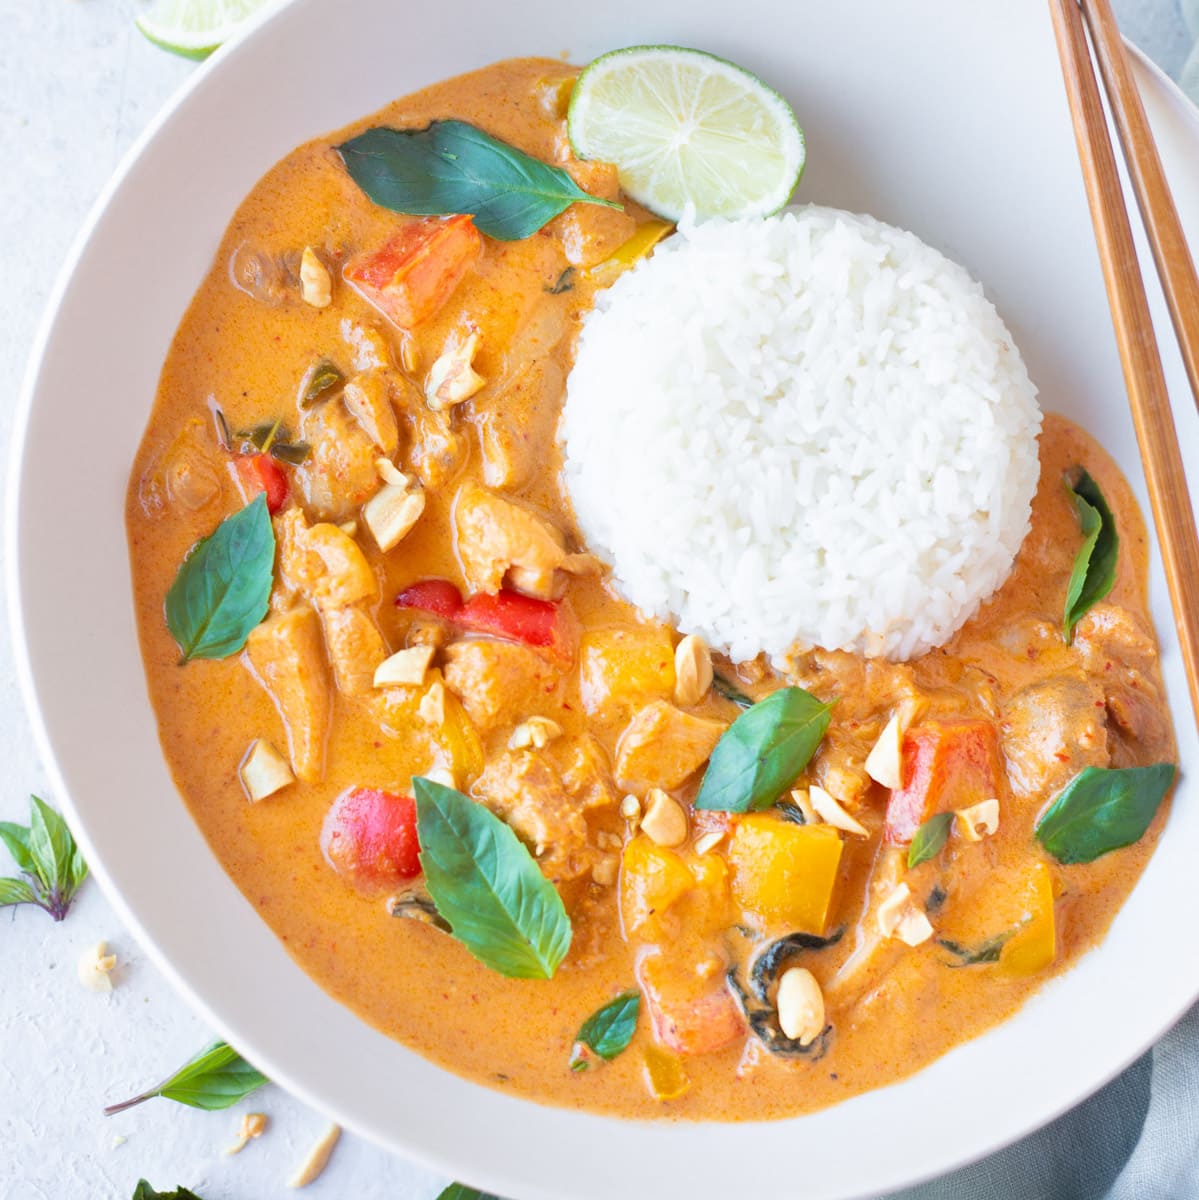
685, 128
195, 28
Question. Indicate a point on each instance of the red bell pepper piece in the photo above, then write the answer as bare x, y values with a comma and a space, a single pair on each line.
945, 765
437, 596
369, 837
546, 626
261, 473
411, 276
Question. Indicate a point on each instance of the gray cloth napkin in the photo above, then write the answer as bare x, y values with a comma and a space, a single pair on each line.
1137, 1138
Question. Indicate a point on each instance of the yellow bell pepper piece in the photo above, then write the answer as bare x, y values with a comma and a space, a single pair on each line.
784, 874
1034, 944
629, 253
626, 665
652, 878
664, 1073
457, 737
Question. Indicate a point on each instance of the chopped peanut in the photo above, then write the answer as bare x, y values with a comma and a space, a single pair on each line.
832, 813
537, 732
391, 513
800, 1005
883, 762
253, 1125
692, 671
95, 968
264, 771
979, 820
318, 1159
664, 820
452, 379
405, 667
316, 285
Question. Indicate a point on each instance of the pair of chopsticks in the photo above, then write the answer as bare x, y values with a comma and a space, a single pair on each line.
1143, 377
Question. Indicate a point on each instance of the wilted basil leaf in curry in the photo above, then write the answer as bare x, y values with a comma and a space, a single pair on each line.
610, 1029
451, 167
929, 838
486, 884
1103, 809
1095, 566
224, 585
216, 1078
763, 751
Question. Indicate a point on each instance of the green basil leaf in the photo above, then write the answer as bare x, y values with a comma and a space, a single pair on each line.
763, 751
1102, 809
610, 1029
216, 1078
929, 838
1095, 564
488, 886
15, 891
722, 687
459, 1191
223, 587
451, 167
50, 845
16, 838
321, 379
144, 1191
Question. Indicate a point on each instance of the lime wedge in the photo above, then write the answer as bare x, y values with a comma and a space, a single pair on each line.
685, 128
195, 28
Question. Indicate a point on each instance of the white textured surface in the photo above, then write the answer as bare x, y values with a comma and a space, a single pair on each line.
78, 84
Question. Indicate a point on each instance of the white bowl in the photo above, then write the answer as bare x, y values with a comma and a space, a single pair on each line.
946, 118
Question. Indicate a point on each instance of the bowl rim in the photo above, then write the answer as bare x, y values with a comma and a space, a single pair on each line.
256, 31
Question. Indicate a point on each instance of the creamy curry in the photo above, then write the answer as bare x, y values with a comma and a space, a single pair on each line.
484, 649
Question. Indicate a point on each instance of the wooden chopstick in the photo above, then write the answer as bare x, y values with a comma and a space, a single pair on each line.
1143, 376
1175, 267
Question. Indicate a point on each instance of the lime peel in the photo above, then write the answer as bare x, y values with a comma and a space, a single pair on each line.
195, 28
687, 132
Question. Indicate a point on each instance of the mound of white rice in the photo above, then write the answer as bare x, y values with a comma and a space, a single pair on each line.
812, 430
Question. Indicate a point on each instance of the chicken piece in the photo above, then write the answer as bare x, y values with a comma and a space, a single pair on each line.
523, 789
497, 538
513, 450
590, 234
662, 746
346, 577
1051, 731
369, 346
299, 567
499, 683
285, 655
438, 452
585, 772
368, 398
339, 474
1108, 633
355, 645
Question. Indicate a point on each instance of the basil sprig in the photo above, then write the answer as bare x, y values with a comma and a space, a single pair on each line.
144, 1191
609, 1029
763, 751
217, 1077
1095, 564
451, 167
223, 586
50, 862
1103, 809
929, 838
488, 886
459, 1191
